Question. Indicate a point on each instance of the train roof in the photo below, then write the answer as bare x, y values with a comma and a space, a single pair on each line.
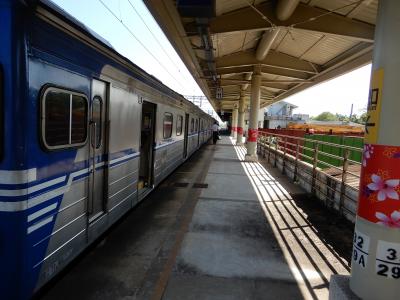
57, 10
72, 19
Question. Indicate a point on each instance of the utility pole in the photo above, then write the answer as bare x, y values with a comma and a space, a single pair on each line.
351, 112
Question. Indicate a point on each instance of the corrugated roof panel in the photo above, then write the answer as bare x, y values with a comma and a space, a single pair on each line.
225, 6
342, 7
252, 39
229, 42
328, 49
367, 12
281, 35
285, 78
297, 42
266, 76
231, 89
269, 90
230, 76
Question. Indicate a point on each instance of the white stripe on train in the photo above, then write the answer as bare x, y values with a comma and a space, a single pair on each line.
17, 177
39, 224
14, 206
33, 189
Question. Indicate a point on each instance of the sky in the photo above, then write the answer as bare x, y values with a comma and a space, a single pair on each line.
144, 43
336, 95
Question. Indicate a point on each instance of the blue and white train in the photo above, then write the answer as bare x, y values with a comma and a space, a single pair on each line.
85, 135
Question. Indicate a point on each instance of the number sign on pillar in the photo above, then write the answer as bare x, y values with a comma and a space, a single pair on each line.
388, 260
360, 249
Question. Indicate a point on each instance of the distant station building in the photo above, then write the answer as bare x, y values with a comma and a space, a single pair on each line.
261, 120
280, 115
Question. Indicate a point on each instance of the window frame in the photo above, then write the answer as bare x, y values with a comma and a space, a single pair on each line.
2, 113
45, 90
172, 124
179, 117
99, 128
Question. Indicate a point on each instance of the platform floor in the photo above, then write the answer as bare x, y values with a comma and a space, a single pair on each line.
218, 228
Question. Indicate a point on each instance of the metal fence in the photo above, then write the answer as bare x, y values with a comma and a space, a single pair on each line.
306, 161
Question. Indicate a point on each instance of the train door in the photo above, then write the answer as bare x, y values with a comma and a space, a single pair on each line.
186, 136
198, 132
146, 146
98, 150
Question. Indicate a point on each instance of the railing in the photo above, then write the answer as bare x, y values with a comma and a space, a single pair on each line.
307, 164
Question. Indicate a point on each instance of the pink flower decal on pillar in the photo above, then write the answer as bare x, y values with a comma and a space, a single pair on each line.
385, 189
368, 150
392, 221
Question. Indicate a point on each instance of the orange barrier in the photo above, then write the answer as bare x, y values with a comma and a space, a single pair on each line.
329, 129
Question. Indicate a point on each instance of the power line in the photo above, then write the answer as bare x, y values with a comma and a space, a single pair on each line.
134, 36
149, 29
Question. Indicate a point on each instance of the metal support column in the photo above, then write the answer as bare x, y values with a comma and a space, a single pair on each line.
240, 125
375, 272
254, 111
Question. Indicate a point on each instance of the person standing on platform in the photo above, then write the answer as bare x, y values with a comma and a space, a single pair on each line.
215, 129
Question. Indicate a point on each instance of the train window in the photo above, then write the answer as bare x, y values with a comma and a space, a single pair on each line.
97, 109
196, 127
167, 127
57, 117
64, 118
179, 123
78, 119
192, 125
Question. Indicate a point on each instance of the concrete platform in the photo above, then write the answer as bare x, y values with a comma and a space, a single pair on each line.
250, 234
339, 288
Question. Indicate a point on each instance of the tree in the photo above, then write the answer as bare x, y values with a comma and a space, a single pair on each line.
340, 117
363, 118
325, 116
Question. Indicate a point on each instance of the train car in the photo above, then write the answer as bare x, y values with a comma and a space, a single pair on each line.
85, 135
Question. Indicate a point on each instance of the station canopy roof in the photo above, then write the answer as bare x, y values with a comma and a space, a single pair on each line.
296, 44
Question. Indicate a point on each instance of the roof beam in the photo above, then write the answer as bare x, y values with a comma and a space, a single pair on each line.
225, 85
231, 98
247, 19
273, 59
247, 100
266, 70
279, 85
356, 51
244, 81
236, 95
